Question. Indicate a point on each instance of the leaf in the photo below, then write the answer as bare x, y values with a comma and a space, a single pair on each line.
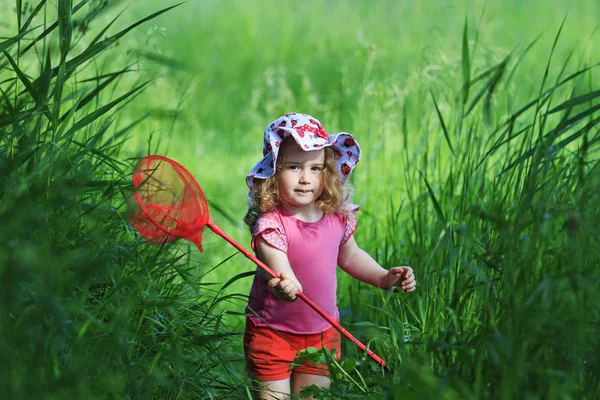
35, 11
436, 205
236, 278
65, 26
490, 84
50, 29
465, 64
33, 92
96, 91
103, 31
104, 76
585, 98
95, 49
7, 44
9, 106
88, 119
559, 146
439, 114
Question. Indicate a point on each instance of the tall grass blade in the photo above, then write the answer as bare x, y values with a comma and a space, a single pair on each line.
7, 44
33, 14
436, 204
51, 28
97, 48
441, 119
65, 26
97, 90
88, 119
40, 101
575, 101
465, 64
489, 85
105, 29
531, 152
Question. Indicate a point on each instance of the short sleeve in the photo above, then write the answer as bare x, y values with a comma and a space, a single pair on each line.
271, 231
349, 222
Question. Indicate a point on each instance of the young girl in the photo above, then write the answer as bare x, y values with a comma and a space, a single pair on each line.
302, 227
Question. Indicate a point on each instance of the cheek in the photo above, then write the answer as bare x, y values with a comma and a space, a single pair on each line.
321, 184
285, 181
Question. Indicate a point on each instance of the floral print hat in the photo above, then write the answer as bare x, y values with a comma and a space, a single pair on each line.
309, 134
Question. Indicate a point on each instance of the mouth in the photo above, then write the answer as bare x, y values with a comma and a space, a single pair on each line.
303, 191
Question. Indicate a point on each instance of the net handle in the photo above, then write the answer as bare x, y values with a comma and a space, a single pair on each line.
213, 227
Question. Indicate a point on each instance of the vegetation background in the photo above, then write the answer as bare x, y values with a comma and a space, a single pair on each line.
478, 126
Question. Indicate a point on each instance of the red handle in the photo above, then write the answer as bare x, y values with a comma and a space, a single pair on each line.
213, 227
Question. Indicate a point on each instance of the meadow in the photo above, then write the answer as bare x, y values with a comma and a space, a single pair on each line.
478, 128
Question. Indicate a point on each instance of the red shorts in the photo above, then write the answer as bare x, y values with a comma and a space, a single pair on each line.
270, 353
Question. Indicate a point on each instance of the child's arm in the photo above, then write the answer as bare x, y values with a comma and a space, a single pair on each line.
287, 285
360, 265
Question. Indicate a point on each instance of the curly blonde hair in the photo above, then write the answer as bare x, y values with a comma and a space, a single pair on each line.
264, 195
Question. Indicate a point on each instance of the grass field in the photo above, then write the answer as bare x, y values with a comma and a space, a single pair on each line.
478, 128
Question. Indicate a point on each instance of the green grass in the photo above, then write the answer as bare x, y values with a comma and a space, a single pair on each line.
478, 127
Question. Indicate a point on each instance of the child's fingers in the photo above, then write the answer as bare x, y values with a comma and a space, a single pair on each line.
284, 276
288, 289
409, 286
396, 270
408, 280
403, 277
274, 282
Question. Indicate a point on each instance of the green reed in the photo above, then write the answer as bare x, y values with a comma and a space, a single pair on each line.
87, 309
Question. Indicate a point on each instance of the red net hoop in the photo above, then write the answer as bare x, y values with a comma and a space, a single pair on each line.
170, 203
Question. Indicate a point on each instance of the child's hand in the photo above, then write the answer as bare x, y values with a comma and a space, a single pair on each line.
400, 277
285, 287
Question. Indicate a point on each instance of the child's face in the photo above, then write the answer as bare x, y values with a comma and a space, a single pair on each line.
301, 177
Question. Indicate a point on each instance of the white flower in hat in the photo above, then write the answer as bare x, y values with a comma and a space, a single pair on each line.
310, 135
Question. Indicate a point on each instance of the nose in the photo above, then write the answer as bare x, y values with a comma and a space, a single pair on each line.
304, 178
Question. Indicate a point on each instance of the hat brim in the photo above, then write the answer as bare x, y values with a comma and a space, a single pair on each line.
345, 147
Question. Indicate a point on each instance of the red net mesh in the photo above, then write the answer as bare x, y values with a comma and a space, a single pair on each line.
169, 203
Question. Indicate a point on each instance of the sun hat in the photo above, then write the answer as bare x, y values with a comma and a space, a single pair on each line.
310, 135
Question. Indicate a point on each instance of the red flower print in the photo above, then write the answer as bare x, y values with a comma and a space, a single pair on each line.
267, 149
294, 122
280, 133
345, 169
301, 130
307, 128
349, 142
349, 153
337, 154
312, 121
282, 123
306, 146
276, 144
321, 133
272, 126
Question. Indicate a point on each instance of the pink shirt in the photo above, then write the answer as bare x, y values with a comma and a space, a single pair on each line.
312, 249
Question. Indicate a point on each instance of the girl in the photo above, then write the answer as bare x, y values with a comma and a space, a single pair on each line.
302, 227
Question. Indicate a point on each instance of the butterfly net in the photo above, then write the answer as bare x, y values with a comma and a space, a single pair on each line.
168, 202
